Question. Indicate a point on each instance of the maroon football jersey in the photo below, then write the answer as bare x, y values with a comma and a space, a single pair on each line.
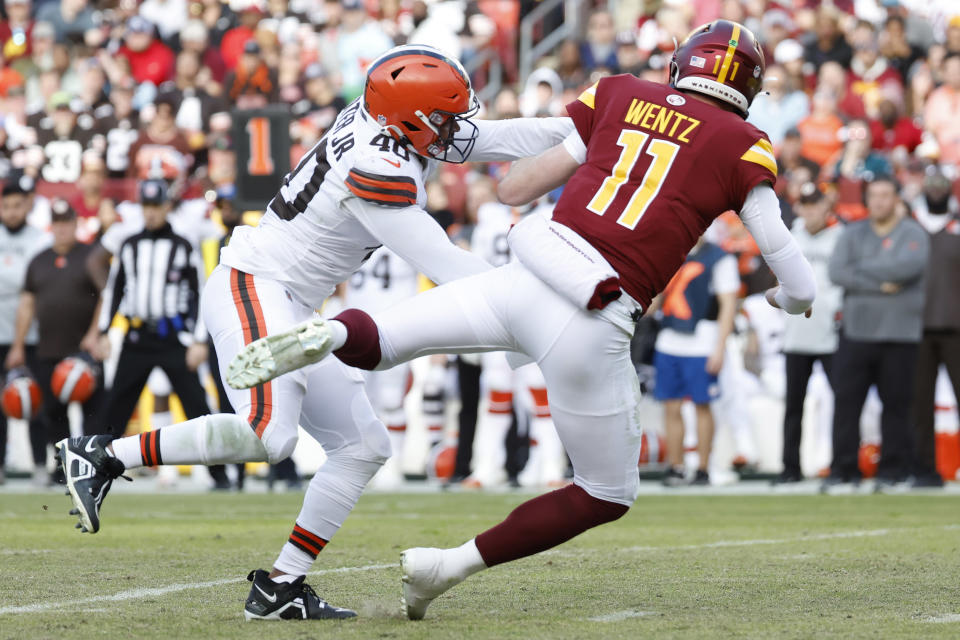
660, 167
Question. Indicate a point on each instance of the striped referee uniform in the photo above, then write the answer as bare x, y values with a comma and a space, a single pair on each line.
155, 283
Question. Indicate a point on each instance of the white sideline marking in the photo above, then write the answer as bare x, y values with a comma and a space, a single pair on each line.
749, 543
173, 588
946, 617
617, 616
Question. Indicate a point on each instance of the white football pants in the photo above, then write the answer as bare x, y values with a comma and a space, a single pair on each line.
592, 386
326, 399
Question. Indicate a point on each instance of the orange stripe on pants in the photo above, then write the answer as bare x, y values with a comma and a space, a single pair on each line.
254, 327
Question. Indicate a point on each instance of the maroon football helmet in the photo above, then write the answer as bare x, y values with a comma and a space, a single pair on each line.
721, 59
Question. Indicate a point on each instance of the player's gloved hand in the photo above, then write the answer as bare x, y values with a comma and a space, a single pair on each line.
197, 354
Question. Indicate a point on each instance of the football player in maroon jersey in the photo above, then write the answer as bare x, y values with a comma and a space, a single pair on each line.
646, 171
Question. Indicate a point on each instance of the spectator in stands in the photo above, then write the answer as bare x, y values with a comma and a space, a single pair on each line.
831, 78
195, 37
919, 87
942, 108
150, 60
62, 294
857, 160
19, 242
820, 130
161, 144
70, 18
218, 18
777, 26
116, 129
541, 95
880, 263
892, 131
320, 103
953, 34
780, 109
63, 137
15, 31
252, 84
791, 156
809, 340
93, 84
789, 55
870, 75
598, 50
169, 16
359, 38
570, 65
231, 44
939, 213
195, 104
895, 48
828, 43
698, 308
89, 199
438, 28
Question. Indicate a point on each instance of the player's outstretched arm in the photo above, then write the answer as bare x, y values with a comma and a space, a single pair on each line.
531, 178
417, 238
798, 286
505, 140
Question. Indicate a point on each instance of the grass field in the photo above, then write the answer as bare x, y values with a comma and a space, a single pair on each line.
173, 566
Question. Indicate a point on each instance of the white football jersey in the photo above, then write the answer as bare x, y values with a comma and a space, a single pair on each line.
489, 239
382, 281
311, 237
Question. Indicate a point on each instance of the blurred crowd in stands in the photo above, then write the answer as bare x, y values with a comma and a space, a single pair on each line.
96, 96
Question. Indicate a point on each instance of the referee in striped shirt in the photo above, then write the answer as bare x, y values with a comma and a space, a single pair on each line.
155, 283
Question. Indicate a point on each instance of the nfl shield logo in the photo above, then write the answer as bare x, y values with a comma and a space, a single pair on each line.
382, 120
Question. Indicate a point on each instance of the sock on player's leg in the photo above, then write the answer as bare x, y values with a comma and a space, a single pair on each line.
489, 446
463, 561
212, 439
545, 522
332, 494
360, 346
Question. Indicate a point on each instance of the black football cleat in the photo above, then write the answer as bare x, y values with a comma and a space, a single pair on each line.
269, 600
89, 471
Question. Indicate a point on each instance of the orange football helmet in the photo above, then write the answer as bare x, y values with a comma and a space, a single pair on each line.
423, 98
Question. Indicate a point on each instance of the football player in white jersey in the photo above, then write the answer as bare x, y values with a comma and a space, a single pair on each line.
381, 281
360, 187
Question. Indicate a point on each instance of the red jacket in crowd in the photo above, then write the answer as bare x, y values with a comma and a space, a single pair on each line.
153, 64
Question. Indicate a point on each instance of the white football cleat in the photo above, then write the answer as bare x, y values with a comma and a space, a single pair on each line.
274, 355
422, 580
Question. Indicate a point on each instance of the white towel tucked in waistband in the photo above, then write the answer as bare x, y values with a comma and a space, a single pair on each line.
570, 265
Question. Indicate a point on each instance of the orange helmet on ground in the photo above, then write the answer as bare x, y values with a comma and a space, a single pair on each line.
73, 380
721, 59
21, 395
423, 98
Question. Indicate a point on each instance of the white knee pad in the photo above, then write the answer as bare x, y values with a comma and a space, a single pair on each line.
374, 445
226, 437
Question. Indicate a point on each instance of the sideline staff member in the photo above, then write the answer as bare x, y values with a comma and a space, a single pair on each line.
155, 283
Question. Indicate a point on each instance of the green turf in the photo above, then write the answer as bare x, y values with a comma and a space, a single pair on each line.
874, 567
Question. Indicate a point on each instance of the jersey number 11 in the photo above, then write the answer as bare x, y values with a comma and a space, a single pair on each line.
633, 141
